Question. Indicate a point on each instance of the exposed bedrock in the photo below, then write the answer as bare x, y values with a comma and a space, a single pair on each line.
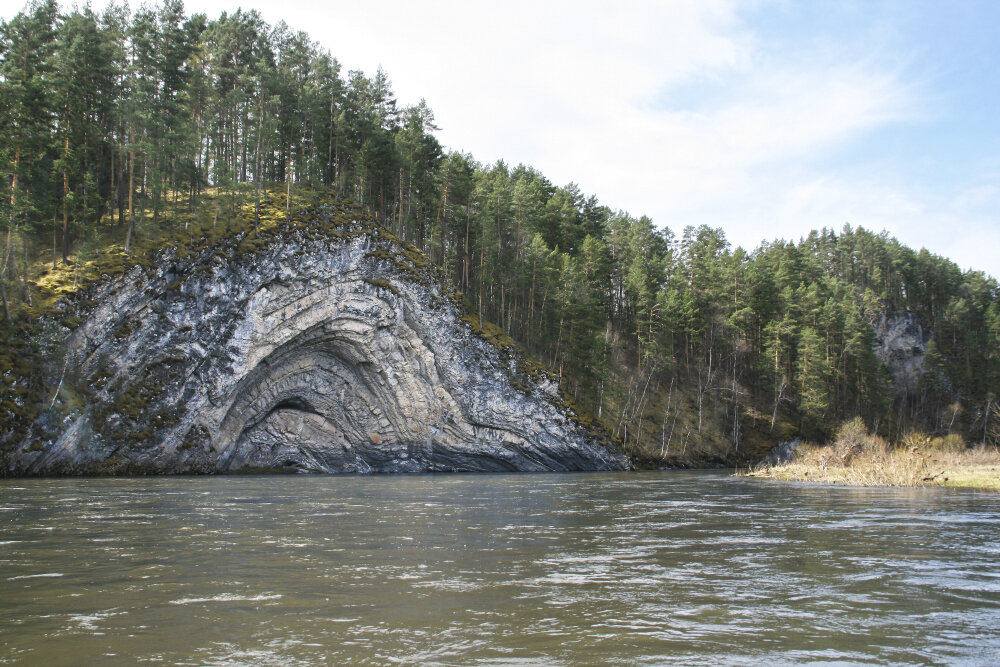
901, 343
324, 355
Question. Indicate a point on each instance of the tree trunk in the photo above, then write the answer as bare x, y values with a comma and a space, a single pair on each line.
3, 273
399, 211
3, 294
418, 233
257, 170
13, 199
331, 174
130, 233
65, 202
465, 264
443, 224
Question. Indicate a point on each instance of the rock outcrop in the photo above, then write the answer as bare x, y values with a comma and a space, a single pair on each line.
901, 343
338, 351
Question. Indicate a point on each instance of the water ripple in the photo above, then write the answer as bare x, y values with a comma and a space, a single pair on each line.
629, 569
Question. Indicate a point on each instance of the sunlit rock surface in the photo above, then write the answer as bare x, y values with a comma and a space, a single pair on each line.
322, 354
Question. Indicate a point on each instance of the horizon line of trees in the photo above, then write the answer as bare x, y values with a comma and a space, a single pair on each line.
103, 114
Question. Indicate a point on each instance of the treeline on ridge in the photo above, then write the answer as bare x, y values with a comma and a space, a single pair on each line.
687, 348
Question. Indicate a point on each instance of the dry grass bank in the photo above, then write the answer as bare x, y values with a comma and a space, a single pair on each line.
857, 458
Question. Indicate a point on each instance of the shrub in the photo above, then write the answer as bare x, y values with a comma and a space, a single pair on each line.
951, 443
852, 440
852, 432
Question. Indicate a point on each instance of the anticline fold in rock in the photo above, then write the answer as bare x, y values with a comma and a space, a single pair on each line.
299, 359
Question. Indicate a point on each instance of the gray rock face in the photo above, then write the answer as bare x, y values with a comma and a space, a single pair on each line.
319, 355
901, 344
783, 452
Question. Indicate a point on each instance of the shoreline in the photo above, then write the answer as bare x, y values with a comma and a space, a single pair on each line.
985, 477
858, 458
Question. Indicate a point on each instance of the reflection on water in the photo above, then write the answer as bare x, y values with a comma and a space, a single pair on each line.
694, 568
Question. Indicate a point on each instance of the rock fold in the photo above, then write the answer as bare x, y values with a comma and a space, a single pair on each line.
328, 354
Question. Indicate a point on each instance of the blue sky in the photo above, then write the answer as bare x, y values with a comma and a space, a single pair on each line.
765, 118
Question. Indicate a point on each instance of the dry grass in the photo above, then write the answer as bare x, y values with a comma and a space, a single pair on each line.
857, 458
218, 214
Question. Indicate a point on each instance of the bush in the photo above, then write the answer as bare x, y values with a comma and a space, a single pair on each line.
951, 443
852, 440
852, 433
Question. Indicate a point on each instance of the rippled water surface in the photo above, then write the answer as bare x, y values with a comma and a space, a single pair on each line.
650, 568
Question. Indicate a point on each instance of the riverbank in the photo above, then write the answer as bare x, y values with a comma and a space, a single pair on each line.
857, 458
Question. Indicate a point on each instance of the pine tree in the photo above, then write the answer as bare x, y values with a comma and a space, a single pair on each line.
27, 45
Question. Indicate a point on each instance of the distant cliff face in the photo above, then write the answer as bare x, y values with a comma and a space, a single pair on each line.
322, 353
901, 343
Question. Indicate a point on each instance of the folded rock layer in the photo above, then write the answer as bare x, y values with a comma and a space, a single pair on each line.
336, 352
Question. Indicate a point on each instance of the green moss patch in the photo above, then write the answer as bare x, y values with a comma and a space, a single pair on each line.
382, 284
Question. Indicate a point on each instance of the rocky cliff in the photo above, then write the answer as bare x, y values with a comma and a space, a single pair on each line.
326, 347
900, 343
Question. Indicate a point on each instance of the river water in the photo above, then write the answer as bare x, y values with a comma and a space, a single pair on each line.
572, 569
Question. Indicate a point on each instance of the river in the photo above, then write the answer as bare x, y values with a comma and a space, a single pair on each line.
571, 569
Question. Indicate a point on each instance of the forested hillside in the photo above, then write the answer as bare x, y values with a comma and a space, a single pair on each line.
687, 348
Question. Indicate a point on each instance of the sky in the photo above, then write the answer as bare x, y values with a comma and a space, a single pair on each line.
767, 118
